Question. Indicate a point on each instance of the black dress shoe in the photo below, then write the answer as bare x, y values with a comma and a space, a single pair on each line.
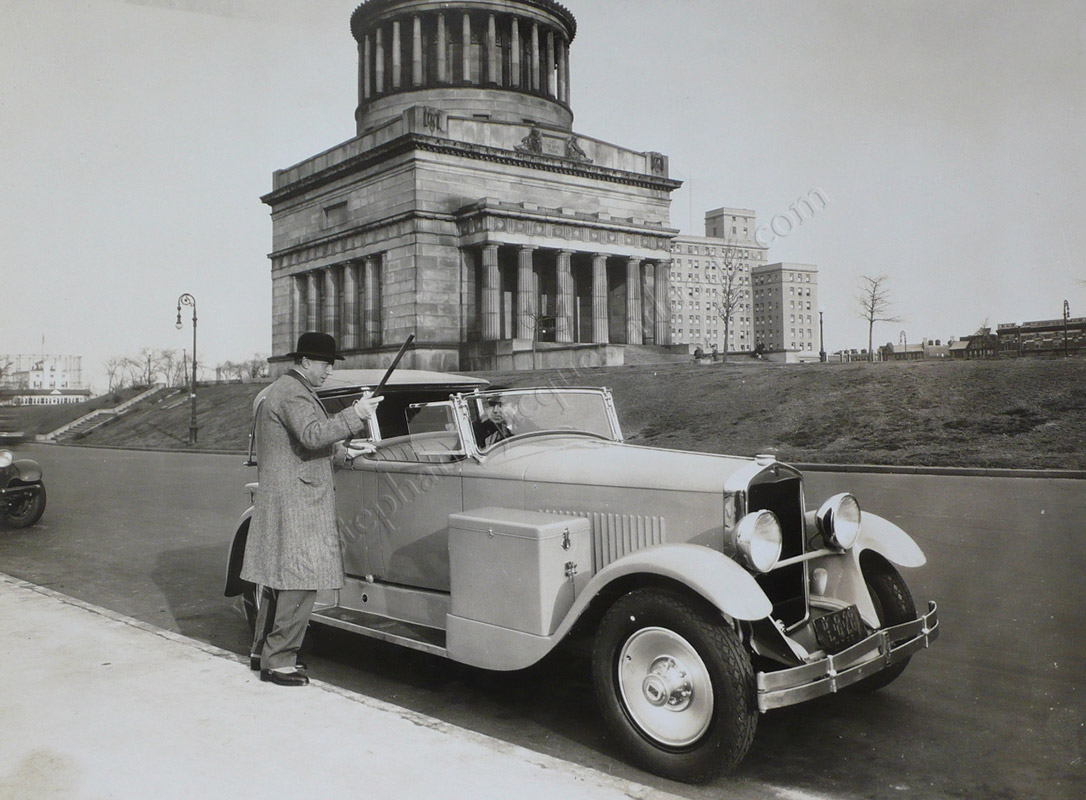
295, 678
254, 664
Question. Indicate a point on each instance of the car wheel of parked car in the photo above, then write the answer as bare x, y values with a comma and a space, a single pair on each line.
894, 605
25, 511
675, 685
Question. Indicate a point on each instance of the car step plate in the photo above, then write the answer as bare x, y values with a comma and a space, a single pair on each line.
839, 630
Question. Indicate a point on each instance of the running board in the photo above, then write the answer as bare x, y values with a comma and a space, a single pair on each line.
417, 637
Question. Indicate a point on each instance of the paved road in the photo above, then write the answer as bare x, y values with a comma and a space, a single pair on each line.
995, 709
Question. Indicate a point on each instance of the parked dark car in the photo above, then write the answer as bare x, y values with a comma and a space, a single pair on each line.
22, 492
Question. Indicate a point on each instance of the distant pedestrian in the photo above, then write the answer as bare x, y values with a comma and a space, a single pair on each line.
716, 354
293, 548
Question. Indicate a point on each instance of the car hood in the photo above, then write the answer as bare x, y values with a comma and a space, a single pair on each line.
593, 462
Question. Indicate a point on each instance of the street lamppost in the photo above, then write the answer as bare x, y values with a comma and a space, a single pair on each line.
903, 340
821, 340
188, 300
1066, 317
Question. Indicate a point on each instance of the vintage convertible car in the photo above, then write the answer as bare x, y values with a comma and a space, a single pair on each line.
487, 525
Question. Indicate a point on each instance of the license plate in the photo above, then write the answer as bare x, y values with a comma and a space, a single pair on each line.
839, 630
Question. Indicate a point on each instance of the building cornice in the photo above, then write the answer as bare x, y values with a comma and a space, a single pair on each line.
411, 142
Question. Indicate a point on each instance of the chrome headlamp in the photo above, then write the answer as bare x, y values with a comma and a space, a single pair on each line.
839, 521
6, 459
758, 538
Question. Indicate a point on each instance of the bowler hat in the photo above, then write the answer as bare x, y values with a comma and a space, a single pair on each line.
312, 344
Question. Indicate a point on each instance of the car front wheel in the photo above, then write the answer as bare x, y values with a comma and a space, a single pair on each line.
25, 510
675, 685
894, 604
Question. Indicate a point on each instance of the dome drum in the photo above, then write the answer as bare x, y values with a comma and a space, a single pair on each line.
515, 50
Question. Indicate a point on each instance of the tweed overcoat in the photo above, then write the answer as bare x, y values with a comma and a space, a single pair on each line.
293, 542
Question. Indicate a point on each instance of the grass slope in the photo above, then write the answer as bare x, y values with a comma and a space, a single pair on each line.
1022, 413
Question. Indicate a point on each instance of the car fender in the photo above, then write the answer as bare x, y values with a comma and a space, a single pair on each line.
234, 584
707, 572
889, 541
27, 470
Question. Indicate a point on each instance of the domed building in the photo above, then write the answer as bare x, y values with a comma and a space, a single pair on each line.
466, 209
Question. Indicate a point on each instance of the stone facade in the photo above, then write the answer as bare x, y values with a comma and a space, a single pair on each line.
466, 210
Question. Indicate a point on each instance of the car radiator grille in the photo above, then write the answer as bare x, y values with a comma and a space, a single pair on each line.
786, 587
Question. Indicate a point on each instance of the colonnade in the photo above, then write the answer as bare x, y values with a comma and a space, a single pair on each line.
463, 47
343, 300
645, 315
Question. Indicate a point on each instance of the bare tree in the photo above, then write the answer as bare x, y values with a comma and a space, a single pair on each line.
115, 372
874, 306
732, 289
257, 366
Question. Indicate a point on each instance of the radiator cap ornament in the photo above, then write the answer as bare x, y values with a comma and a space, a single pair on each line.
764, 459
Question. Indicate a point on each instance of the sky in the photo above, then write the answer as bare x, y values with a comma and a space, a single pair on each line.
137, 136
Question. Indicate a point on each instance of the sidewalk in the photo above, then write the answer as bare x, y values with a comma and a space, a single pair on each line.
95, 705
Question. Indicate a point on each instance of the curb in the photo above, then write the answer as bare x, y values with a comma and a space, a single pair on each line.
957, 472
877, 469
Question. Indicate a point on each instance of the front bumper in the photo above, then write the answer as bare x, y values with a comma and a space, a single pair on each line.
878, 651
25, 488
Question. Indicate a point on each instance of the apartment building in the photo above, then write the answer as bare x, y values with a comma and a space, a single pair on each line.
785, 307
700, 267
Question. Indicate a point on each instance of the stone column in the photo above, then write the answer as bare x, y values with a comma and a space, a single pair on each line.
350, 306
534, 54
297, 308
564, 312
648, 304
362, 69
491, 49
633, 300
514, 53
526, 294
372, 288
441, 54
565, 61
465, 49
331, 297
563, 65
492, 306
312, 296
600, 334
366, 69
663, 302
548, 67
416, 50
397, 50
379, 63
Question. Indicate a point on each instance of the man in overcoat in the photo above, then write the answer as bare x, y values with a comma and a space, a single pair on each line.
293, 548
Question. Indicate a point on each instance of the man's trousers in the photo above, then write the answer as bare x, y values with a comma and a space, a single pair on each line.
280, 626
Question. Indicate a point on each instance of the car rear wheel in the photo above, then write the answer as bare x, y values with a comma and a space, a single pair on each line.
675, 685
25, 510
894, 604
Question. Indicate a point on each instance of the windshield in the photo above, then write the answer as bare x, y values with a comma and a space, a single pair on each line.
500, 415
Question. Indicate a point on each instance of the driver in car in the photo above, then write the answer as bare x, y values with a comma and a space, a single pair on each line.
498, 422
